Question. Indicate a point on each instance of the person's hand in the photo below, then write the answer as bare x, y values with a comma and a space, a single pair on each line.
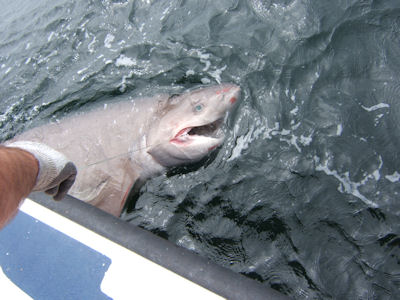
56, 173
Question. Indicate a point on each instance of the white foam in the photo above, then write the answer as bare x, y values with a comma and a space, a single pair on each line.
269, 132
122, 85
204, 58
293, 141
164, 13
141, 27
244, 141
50, 37
284, 132
208, 64
377, 173
108, 40
378, 118
375, 107
124, 61
217, 74
305, 140
81, 71
205, 80
294, 111
84, 24
84, 77
374, 175
92, 44
346, 185
47, 58
394, 177
339, 130
241, 144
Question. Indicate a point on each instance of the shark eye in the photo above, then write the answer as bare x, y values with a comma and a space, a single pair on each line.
198, 107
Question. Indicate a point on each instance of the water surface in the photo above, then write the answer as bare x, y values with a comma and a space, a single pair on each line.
304, 194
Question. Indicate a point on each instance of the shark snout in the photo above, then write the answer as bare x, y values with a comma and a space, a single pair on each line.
231, 93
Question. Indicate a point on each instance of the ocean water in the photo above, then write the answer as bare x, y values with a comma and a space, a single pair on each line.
304, 194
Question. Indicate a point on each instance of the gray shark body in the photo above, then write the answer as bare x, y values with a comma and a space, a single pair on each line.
117, 145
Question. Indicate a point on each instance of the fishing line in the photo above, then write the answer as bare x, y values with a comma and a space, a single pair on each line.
112, 157
120, 155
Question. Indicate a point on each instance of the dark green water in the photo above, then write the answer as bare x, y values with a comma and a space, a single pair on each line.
304, 194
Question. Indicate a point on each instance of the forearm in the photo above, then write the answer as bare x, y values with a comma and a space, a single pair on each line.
18, 173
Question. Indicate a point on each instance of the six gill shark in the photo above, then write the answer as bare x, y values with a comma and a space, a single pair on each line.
131, 141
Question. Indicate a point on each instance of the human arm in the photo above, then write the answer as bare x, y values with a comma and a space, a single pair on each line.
29, 166
18, 172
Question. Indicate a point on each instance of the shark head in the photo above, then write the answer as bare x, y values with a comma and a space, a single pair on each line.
189, 125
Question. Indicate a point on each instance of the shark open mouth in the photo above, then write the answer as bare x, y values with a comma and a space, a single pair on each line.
211, 130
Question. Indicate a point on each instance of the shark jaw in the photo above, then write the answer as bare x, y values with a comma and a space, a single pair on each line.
191, 126
211, 132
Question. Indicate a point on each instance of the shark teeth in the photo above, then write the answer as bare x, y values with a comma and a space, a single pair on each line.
183, 132
211, 130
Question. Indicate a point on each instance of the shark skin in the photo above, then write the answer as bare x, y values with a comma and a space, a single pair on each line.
115, 146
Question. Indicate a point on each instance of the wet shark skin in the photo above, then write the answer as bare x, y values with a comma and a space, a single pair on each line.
117, 144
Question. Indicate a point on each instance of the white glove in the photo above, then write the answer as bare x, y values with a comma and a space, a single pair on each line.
56, 173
